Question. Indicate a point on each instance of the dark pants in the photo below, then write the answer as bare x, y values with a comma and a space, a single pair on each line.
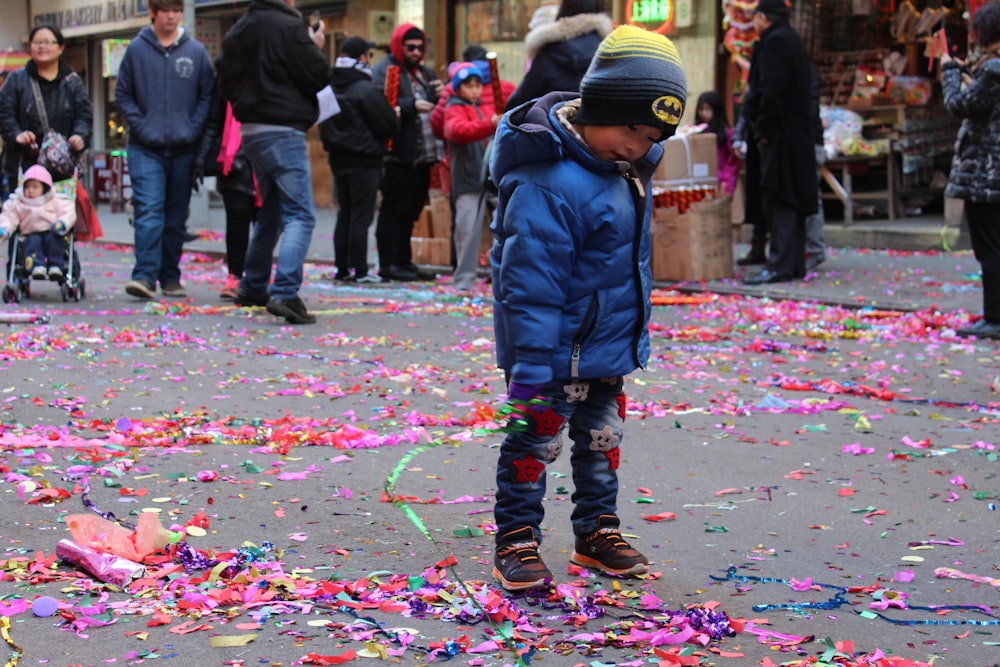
753, 209
985, 235
240, 213
404, 194
45, 249
787, 255
357, 192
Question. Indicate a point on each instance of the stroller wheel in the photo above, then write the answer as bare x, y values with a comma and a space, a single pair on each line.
81, 289
9, 294
64, 291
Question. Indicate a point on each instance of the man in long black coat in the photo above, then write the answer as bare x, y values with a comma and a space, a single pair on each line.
778, 110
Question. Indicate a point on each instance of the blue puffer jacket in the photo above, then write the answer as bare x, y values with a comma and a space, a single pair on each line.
570, 261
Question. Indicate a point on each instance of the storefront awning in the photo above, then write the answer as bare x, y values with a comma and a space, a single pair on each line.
12, 60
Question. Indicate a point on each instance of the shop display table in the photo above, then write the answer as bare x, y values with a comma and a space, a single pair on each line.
843, 189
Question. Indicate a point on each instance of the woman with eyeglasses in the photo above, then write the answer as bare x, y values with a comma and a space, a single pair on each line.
67, 107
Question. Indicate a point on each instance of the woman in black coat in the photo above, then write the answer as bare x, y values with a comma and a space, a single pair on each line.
560, 52
67, 106
975, 172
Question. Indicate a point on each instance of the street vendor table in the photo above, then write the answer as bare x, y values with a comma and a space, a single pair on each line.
843, 188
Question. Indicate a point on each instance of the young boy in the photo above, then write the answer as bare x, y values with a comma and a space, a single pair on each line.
44, 219
571, 287
467, 127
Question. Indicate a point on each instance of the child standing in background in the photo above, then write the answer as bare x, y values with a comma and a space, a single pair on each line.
468, 126
712, 112
44, 218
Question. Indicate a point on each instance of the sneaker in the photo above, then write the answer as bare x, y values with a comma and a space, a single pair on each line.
606, 550
230, 289
367, 279
173, 289
35, 271
246, 300
517, 565
55, 273
293, 310
342, 277
981, 329
140, 288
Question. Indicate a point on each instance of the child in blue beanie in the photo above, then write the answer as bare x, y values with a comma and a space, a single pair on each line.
571, 289
468, 125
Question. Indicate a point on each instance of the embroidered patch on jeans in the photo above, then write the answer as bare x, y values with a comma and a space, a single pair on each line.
622, 403
603, 440
614, 458
528, 469
547, 422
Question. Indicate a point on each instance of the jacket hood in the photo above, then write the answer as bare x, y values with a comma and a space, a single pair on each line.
531, 133
566, 29
64, 69
150, 36
343, 76
396, 41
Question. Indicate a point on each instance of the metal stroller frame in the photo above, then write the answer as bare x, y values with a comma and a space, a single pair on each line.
71, 285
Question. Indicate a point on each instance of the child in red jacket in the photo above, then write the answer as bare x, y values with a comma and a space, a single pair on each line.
467, 128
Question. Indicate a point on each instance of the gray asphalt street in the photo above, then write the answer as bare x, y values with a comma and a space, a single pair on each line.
811, 468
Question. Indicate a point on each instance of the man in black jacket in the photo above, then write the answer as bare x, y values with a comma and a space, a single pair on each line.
778, 108
414, 151
355, 140
272, 68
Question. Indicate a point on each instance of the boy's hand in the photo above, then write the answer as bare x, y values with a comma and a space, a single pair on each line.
59, 227
197, 178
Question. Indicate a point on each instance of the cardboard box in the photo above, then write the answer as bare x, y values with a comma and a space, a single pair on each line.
688, 161
422, 227
433, 252
440, 218
697, 245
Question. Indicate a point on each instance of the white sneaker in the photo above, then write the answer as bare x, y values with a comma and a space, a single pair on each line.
39, 273
55, 273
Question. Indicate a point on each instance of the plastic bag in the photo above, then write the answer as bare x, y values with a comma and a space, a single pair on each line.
99, 534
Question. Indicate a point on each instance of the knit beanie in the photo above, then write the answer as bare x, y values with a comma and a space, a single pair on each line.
414, 33
355, 47
772, 8
635, 78
463, 72
37, 172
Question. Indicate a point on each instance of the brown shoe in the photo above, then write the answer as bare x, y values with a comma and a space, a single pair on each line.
756, 255
517, 565
606, 550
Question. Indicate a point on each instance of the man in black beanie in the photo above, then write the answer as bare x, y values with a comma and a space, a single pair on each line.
778, 111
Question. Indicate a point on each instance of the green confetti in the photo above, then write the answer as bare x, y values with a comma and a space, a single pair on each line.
716, 529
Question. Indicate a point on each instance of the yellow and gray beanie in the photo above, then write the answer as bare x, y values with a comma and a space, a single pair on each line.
634, 78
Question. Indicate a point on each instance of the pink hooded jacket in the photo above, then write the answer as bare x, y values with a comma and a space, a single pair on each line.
36, 214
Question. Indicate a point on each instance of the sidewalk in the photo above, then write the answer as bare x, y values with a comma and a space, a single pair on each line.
870, 263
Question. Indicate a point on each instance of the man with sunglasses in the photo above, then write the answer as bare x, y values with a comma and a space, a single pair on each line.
413, 152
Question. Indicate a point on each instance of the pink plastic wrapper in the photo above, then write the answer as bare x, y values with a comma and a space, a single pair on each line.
105, 567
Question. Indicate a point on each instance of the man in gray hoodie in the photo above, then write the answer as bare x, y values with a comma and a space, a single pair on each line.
164, 89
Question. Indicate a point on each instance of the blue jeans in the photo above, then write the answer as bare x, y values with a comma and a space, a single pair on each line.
161, 194
281, 162
594, 411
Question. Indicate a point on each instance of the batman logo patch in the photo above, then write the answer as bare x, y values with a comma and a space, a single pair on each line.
669, 109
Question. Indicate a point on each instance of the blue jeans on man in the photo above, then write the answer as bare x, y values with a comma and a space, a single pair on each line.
161, 194
281, 162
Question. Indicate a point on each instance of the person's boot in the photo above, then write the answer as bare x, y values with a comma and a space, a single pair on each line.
756, 254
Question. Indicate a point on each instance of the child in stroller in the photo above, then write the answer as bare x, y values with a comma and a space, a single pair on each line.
41, 222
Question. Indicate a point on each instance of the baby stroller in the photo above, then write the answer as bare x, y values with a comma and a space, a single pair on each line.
71, 285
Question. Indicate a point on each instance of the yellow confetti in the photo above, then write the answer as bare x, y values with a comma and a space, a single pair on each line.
235, 640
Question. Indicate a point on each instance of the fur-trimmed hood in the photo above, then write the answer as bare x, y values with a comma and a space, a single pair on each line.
566, 29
